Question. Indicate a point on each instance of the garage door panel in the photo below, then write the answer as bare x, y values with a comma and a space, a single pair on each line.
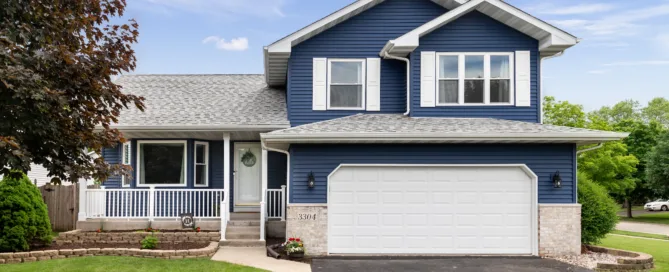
430, 210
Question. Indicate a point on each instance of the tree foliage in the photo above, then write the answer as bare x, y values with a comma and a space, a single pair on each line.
24, 220
658, 111
657, 170
563, 113
610, 166
57, 61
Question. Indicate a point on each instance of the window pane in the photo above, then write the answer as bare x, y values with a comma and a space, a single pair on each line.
499, 91
200, 174
499, 67
161, 163
346, 96
346, 72
474, 66
448, 91
474, 91
199, 156
448, 67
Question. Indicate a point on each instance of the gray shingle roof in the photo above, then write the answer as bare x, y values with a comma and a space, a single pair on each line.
396, 125
203, 100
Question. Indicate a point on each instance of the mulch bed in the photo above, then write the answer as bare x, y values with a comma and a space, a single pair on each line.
161, 246
284, 256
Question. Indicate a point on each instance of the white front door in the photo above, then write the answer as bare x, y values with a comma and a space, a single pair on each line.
248, 170
431, 210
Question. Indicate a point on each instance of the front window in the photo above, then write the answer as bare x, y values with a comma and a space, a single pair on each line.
201, 164
161, 163
474, 79
346, 88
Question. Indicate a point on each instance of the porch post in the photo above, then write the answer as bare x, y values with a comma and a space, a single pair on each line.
226, 170
282, 205
82, 201
263, 197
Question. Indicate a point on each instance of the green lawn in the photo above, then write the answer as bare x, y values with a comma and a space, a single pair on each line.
656, 217
108, 263
634, 208
640, 234
659, 249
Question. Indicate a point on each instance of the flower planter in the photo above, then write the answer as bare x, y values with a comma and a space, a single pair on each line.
296, 256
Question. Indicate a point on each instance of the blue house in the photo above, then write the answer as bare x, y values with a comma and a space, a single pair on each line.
387, 127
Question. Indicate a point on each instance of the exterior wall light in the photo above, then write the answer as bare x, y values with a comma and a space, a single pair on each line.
311, 180
557, 180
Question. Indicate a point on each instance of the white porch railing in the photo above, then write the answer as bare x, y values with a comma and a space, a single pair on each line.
276, 203
154, 203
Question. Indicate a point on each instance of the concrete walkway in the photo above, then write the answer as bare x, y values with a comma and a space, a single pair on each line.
257, 257
643, 227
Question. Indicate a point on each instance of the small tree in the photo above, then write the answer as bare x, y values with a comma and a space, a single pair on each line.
657, 169
24, 219
598, 210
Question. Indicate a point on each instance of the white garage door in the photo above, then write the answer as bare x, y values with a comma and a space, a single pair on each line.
432, 210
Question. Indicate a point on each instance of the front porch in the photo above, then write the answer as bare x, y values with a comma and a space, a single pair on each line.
222, 179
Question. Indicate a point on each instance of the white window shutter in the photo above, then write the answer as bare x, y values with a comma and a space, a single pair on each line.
373, 84
126, 154
428, 82
320, 75
523, 79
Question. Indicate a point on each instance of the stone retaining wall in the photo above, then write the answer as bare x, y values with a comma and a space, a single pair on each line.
32, 256
627, 260
80, 237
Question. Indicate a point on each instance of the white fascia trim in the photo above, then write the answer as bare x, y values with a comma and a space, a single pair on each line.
412, 38
613, 136
201, 127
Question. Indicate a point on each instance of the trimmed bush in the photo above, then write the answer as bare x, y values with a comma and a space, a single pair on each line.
149, 242
24, 219
598, 211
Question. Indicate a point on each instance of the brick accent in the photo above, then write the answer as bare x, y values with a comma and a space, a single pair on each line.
559, 229
33, 256
314, 232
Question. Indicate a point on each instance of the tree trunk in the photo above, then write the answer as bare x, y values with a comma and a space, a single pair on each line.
628, 203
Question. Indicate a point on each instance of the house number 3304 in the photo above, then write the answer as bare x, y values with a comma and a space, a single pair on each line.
306, 216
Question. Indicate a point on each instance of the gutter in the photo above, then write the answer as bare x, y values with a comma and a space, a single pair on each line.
201, 127
385, 55
600, 145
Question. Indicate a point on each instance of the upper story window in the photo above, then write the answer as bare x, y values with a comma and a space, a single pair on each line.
346, 84
474, 79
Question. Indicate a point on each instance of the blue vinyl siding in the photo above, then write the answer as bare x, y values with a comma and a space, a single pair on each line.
112, 155
362, 36
543, 159
476, 32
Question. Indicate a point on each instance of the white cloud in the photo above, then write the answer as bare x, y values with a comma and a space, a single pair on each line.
611, 44
571, 23
219, 8
236, 44
626, 23
638, 63
598, 72
579, 9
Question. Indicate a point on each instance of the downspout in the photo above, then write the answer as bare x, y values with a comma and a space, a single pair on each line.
262, 143
388, 56
541, 84
600, 145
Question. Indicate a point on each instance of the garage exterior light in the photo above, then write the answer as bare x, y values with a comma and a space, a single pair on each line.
311, 180
557, 180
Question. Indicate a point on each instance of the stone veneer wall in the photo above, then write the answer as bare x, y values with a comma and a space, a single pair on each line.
559, 229
43, 255
309, 223
80, 237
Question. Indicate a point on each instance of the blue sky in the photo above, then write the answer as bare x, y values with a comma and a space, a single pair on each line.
624, 53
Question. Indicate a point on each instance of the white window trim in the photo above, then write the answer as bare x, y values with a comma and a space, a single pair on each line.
123, 162
486, 72
139, 163
206, 163
363, 80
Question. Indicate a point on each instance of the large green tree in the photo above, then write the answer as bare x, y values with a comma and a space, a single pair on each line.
658, 166
57, 98
563, 113
624, 110
658, 111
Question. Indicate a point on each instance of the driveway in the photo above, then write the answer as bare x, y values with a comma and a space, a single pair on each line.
459, 264
643, 227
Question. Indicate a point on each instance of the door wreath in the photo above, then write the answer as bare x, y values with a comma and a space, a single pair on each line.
248, 158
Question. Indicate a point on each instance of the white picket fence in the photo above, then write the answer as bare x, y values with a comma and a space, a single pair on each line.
153, 203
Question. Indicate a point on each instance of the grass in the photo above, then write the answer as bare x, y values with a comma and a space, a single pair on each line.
641, 234
656, 218
634, 208
109, 263
656, 248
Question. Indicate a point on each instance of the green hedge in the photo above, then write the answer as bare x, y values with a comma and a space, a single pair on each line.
24, 219
598, 211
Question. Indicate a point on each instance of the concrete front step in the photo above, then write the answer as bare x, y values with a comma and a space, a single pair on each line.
242, 229
242, 236
244, 216
244, 223
242, 243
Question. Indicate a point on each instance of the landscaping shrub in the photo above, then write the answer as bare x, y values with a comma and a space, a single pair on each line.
598, 212
150, 242
24, 220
